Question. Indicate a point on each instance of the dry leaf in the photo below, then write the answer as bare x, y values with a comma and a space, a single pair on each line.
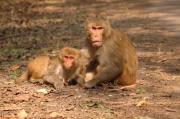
22, 114
142, 102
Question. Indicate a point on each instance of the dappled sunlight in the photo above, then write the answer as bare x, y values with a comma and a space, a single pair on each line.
48, 9
54, 1
33, 27
138, 30
44, 22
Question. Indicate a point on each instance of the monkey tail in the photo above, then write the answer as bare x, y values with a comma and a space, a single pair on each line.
22, 78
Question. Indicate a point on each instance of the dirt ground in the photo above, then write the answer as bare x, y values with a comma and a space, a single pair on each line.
31, 27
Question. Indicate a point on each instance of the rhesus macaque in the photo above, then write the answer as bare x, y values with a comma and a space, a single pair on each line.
43, 69
58, 71
113, 56
74, 66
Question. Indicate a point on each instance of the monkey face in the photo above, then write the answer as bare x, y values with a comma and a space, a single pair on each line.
98, 28
69, 61
69, 57
96, 34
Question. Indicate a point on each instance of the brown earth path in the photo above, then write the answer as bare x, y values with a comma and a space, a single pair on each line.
170, 10
153, 27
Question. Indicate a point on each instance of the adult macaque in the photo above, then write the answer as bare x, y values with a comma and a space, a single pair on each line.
113, 56
58, 71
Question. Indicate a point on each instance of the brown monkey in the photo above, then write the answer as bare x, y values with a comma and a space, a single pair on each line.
78, 60
43, 69
112, 54
58, 71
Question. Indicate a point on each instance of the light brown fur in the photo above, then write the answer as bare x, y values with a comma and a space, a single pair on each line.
54, 71
77, 73
43, 69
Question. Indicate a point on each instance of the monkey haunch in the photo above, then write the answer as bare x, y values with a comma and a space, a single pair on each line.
112, 54
58, 71
43, 69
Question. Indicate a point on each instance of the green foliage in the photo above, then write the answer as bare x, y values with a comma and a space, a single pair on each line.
140, 90
12, 53
14, 74
92, 104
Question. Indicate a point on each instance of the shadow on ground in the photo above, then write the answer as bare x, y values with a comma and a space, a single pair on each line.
31, 27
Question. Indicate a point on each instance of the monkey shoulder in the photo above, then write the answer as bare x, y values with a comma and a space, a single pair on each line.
121, 39
39, 59
38, 63
117, 46
55, 66
120, 35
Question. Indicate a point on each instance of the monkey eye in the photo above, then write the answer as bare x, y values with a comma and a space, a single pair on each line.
66, 57
99, 28
71, 57
94, 28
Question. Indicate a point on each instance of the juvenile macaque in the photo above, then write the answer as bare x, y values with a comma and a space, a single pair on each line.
43, 69
59, 71
74, 65
113, 56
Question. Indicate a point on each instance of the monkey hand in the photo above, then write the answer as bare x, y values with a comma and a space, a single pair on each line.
65, 82
89, 76
58, 86
89, 81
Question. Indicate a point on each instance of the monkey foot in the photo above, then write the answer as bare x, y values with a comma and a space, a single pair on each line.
130, 87
59, 89
58, 86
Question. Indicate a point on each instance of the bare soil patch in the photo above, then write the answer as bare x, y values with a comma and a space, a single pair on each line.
31, 27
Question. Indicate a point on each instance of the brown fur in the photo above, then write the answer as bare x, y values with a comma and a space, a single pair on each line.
77, 73
43, 69
52, 70
115, 59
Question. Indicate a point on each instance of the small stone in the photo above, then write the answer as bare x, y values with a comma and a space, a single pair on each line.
43, 90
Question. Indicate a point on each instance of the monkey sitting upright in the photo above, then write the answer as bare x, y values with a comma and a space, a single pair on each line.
59, 71
113, 55
74, 65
